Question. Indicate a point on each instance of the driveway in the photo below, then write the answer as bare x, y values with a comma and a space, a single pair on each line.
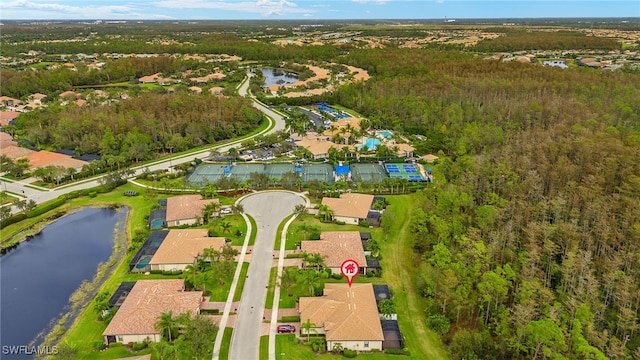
268, 209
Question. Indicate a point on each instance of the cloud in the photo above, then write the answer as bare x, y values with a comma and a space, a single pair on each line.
264, 7
26, 9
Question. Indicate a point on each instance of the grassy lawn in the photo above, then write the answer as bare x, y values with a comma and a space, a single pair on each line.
296, 234
6, 197
254, 231
236, 232
397, 257
279, 233
226, 343
271, 290
243, 276
264, 347
287, 347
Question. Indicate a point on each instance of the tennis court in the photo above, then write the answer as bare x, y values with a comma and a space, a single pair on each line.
404, 171
320, 172
275, 171
208, 173
368, 172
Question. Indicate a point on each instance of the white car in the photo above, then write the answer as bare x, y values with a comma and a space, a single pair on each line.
225, 211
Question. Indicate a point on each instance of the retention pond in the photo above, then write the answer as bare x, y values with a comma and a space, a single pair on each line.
39, 276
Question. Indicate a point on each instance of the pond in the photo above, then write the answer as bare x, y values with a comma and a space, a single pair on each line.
278, 77
39, 276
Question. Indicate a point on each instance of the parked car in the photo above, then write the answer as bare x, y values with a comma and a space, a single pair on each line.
286, 328
225, 211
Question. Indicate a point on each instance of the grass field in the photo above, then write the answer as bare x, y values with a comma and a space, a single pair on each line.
397, 257
264, 347
226, 343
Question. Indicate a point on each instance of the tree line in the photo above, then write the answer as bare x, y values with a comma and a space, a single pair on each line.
528, 240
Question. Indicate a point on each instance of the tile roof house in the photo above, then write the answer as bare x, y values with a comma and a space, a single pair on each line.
429, 158
150, 78
347, 316
45, 158
318, 146
37, 98
16, 152
350, 208
136, 318
182, 247
7, 117
9, 102
6, 140
404, 150
186, 209
336, 247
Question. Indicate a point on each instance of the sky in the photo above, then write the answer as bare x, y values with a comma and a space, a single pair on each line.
311, 9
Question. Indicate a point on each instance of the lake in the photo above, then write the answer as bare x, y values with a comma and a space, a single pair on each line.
39, 276
278, 77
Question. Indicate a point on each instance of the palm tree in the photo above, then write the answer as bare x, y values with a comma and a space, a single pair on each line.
166, 324
326, 212
314, 260
237, 208
226, 226
308, 326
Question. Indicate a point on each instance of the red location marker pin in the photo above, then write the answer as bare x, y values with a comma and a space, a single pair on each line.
349, 269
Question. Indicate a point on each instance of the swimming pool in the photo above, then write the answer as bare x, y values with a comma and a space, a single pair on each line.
386, 134
371, 143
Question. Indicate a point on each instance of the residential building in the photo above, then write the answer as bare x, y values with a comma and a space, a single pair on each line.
182, 247
186, 209
148, 299
346, 315
350, 208
335, 247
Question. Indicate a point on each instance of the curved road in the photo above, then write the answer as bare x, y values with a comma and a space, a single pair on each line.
42, 195
268, 209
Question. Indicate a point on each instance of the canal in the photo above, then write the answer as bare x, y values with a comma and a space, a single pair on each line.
38, 277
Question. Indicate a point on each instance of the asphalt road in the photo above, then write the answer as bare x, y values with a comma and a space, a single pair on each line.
268, 209
43, 195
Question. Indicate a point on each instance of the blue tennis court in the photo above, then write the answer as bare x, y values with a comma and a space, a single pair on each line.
404, 171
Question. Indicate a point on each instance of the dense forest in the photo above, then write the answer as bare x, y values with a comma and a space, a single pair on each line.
548, 40
529, 240
139, 127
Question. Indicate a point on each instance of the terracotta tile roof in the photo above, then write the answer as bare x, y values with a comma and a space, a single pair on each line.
182, 246
45, 158
69, 94
346, 314
7, 116
337, 246
9, 100
350, 205
150, 78
216, 90
186, 207
6, 140
37, 96
16, 152
145, 303
429, 158
317, 146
